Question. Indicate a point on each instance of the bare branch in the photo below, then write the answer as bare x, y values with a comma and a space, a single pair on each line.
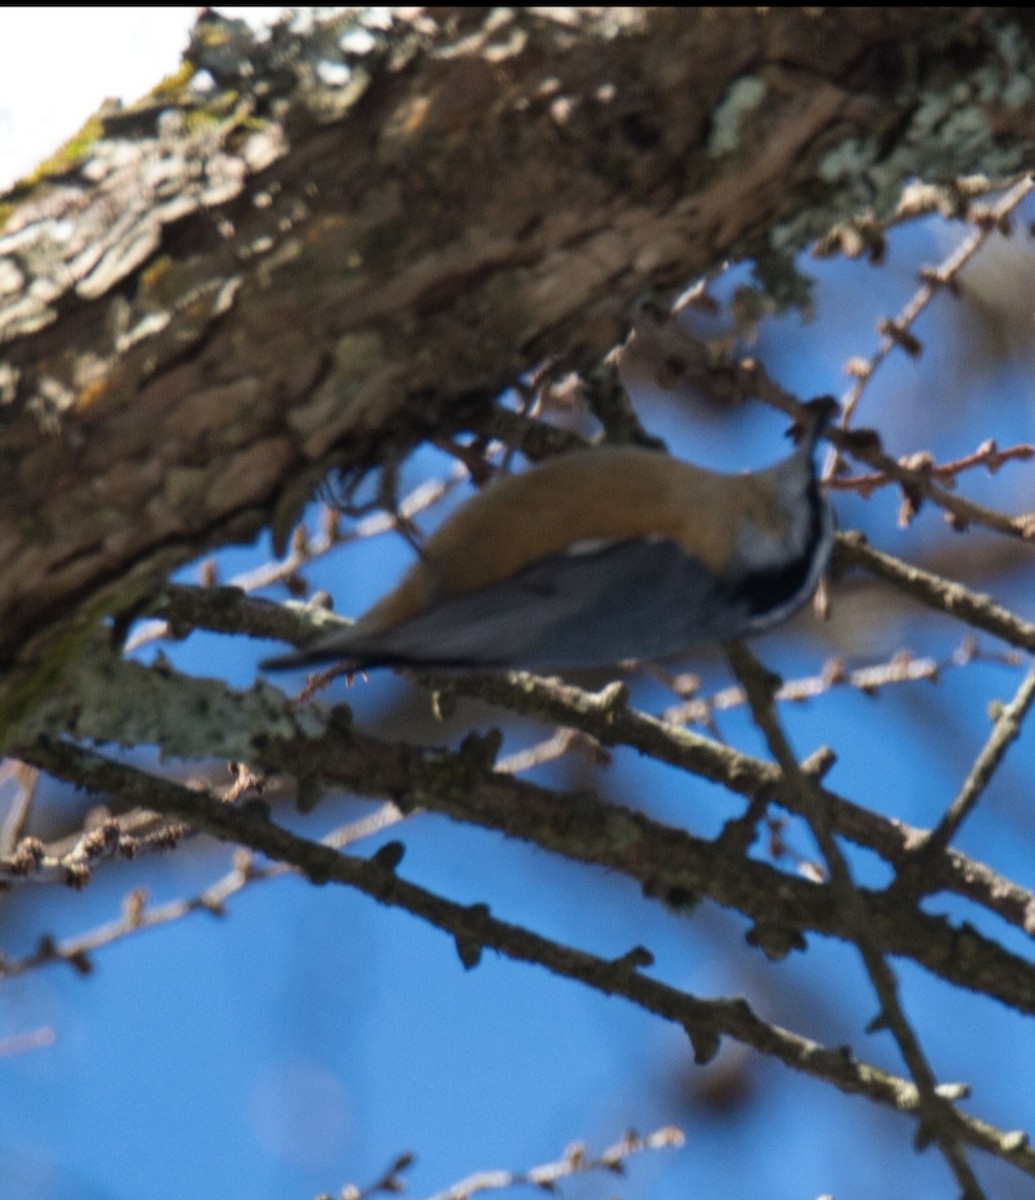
575, 1161
937, 1115
897, 332
472, 928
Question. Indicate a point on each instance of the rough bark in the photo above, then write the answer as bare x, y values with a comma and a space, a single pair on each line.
210, 298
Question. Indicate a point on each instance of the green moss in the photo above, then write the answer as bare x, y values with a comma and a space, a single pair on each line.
172, 86
213, 113
70, 154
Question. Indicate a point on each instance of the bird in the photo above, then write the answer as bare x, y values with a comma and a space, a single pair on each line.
600, 556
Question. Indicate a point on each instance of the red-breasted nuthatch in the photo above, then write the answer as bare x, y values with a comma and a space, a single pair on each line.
599, 556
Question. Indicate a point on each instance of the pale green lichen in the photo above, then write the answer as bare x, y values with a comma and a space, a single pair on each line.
846, 160
1017, 92
623, 832
1010, 81
951, 132
742, 98
126, 703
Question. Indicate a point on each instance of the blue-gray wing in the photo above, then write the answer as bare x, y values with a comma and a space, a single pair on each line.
623, 600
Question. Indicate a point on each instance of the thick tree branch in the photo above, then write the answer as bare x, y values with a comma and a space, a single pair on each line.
472, 927
606, 717
324, 749
322, 273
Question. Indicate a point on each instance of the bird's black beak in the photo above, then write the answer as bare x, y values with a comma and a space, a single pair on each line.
814, 419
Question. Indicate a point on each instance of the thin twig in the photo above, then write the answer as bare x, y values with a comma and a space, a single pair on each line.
668, 862
22, 1043
902, 667
33, 862
575, 1161
753, 380
945, 595
987, 455
138, 915
896, 331
606, 717
473, 928
26, 779
937, 1115
305, 548
1004, 732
